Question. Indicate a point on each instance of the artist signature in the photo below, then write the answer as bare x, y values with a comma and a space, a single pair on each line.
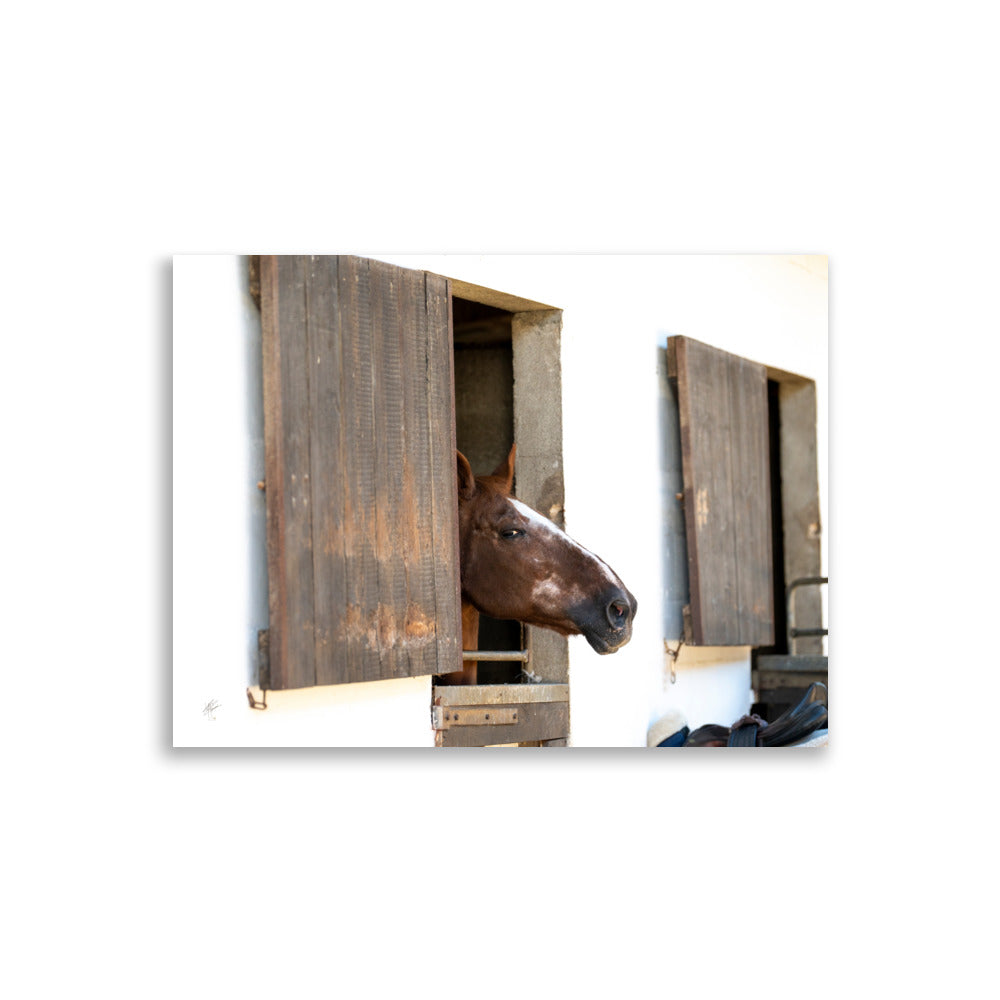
211, 708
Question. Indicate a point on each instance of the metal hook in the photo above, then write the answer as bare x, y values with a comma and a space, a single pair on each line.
673, 654
259, 705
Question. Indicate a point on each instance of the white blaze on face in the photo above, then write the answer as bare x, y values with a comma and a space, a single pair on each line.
550, 596
551, 591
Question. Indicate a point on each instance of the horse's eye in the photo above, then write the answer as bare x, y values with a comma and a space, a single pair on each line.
511, 532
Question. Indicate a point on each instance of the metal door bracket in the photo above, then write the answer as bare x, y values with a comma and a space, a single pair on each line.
446, 716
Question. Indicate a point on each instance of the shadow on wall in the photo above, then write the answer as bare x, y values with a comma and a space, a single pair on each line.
673, 551
256, 597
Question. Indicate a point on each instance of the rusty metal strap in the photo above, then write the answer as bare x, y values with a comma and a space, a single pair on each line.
445, 717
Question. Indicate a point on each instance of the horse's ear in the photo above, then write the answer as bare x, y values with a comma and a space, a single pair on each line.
466, 480
505, 470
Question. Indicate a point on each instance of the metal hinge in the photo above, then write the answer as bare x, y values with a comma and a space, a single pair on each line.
263, 659
688, 624
446, 716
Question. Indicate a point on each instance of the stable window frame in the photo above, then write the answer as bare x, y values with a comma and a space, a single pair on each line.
792, 527
535, 713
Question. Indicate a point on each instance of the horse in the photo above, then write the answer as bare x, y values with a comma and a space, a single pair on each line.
517, 564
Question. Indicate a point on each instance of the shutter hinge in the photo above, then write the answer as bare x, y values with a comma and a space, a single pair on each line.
688, 624
263, 659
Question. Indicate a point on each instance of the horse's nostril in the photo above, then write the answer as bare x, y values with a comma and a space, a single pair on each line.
617, 613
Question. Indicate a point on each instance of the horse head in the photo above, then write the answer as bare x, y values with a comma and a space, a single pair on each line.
517, 564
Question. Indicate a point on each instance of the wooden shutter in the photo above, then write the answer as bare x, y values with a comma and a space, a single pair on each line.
362, 503
727, 497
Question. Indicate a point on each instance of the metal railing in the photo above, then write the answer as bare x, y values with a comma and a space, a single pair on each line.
504, 655
793, 632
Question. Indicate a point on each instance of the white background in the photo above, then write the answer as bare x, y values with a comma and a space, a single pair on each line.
863, 132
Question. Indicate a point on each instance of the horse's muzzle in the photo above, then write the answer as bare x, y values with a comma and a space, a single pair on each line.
615, 630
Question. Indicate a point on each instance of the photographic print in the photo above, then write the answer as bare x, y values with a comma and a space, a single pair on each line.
502, 500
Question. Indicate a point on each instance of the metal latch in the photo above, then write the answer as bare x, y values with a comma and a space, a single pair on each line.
446, 716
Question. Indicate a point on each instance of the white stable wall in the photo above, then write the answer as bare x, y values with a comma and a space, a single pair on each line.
617, 311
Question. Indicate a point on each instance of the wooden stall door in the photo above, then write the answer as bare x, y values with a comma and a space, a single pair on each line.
723, 407
362, 515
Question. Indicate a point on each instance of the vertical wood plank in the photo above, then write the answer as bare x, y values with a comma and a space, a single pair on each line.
800, 501
444, 475
751, 491
416, 503
287, 465
274, 460
535, 342
327, 459
360, 633
390, 543
301, 662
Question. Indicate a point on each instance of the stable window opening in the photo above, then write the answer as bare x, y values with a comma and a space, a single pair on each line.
741, 515
484, 431
508, 389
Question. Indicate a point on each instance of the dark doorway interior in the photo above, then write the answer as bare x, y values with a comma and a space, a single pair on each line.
484, 424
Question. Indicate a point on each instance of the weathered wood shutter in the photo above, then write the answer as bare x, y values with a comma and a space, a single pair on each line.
362, 509
727, 497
